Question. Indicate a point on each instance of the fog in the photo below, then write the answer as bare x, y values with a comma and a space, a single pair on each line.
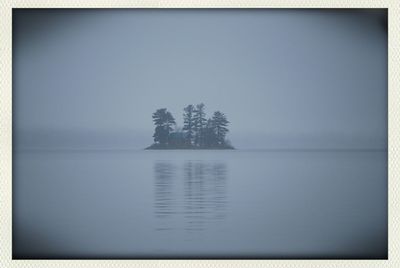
284, 78
305, 92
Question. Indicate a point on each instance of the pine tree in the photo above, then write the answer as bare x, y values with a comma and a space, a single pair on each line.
200, 121
189, 124
164, 122
220, 127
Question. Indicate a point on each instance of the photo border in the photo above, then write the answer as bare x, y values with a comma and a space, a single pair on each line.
6, 7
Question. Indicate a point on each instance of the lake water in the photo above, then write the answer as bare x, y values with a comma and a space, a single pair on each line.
200, 204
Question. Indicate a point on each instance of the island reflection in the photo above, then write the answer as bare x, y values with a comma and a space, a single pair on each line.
190, 197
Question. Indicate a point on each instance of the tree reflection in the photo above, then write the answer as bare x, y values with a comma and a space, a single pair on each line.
164, 173
200, 203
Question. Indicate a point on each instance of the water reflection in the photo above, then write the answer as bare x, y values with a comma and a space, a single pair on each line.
164, 202
204, 193
191, 197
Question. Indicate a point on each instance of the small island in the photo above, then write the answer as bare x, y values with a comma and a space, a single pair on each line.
198, 132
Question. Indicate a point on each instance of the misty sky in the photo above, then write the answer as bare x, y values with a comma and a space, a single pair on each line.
284, 78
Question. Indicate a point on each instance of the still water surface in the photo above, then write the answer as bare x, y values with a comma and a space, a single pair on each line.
200, 204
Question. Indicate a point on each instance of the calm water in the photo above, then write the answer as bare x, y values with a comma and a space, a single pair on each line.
200, 204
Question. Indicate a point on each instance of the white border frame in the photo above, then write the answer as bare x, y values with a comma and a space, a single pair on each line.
6, 7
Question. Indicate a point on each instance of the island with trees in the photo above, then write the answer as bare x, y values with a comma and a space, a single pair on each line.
198, 132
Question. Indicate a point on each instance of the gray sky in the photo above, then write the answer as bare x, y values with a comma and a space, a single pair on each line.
284, 78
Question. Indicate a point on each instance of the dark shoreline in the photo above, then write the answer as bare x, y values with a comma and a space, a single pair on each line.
174, 147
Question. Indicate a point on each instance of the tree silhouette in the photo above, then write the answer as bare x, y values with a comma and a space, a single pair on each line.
200, 121
164, 122
220, 124
189, 124
197, 132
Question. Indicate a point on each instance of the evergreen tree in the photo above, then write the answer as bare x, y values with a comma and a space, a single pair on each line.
164, 122
197, 131
189, 123
220, 124
200, 121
